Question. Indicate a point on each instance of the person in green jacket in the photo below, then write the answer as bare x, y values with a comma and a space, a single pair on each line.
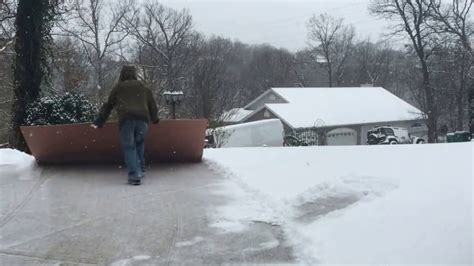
136, 108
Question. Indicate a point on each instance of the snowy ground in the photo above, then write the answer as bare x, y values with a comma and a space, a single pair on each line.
22, 165
407, 204
88, 215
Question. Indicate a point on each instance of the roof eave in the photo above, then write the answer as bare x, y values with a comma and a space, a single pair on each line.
277, 115
367, 123
263, 95
257, 99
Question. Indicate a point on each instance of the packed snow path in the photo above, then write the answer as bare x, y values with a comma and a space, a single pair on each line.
88, 215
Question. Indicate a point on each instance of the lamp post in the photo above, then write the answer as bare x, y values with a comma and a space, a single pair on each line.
173, 98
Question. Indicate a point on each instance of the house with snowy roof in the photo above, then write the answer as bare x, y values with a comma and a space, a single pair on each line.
332, 116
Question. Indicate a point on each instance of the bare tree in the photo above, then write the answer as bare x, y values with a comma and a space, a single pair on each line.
6, 92
71, 67
373, 62
411, 18
7, 21
164, 35
304, 70
302, 65
7, 33
332, 43
212, 89
95, 23
450, 78
454, 19
268, 68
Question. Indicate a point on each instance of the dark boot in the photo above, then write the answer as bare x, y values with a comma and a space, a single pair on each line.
134, 182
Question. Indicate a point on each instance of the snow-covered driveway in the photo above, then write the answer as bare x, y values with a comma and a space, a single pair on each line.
404, 204
88, 215
410, 204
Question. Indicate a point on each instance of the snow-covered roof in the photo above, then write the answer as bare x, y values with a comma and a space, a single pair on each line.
327, 107
235, 115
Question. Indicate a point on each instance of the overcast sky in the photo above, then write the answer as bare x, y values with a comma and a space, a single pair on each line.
281, 23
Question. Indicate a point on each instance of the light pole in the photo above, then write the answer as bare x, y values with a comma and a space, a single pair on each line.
173, 98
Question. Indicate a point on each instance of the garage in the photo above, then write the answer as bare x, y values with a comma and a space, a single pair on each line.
342, 137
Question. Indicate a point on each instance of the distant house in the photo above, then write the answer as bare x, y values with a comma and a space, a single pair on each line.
331, 116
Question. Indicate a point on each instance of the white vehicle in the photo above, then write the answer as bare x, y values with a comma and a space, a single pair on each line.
391, 135
268, 133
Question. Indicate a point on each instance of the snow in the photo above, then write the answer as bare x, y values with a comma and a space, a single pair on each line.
235, 115
407, 204
18, 164
341, 106
268, 132
192, 242
173, 92
131, 261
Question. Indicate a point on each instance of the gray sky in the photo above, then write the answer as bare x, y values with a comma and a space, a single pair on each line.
281, 23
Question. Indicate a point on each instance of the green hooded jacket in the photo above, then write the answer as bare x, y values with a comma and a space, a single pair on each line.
131, 100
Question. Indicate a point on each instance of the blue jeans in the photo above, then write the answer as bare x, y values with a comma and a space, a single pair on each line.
132, 138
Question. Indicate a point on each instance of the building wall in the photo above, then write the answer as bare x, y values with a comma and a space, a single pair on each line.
361, 130
271, 97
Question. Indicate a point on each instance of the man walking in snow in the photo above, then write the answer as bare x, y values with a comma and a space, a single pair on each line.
136, 107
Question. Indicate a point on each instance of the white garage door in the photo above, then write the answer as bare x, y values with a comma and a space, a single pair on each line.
341, 137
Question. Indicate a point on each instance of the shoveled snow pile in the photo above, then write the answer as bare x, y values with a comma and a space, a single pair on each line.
408, 204
17, 164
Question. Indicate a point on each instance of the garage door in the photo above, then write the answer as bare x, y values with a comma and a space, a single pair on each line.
341, 137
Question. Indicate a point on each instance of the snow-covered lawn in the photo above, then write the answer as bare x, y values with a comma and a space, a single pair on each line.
410, 204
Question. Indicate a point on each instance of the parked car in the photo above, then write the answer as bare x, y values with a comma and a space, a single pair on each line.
391, 135
459, 136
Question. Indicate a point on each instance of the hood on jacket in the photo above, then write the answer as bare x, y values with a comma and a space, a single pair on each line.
128, 73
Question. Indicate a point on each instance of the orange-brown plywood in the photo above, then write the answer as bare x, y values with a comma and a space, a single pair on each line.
169, 141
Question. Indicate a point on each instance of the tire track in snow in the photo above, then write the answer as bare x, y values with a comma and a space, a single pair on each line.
310, 206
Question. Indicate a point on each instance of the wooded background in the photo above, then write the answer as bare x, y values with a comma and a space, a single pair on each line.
56, 46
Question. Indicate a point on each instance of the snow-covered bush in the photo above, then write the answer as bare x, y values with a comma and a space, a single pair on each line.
66, 108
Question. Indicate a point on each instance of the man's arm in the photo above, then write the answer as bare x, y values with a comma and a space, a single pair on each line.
152, 108
106, 108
